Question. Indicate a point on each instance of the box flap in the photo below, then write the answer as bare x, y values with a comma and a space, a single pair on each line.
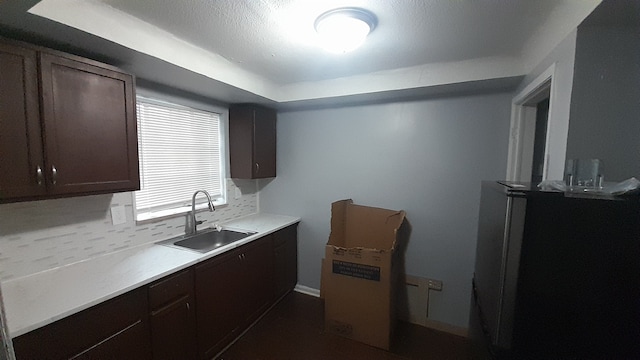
357, 226
370, 227
338, 222
324, 275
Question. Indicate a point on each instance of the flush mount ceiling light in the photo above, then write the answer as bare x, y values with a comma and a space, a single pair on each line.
344, 29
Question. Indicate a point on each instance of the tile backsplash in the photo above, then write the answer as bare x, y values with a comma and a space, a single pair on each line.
41, 235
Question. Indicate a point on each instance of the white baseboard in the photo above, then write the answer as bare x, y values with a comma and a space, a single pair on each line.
432, 324
448, 328
307, 290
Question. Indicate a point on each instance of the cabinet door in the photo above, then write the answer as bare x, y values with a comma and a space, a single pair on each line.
172, 331
252, 142
241, 142
218, 295
173, 321
90, 130
257, 264
285, 260
264, 147
20, 133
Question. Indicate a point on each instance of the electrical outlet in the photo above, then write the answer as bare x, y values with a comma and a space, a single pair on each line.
434, 284
118, 215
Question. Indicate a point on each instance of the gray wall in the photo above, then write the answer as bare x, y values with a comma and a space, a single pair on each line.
426, 157
605, 105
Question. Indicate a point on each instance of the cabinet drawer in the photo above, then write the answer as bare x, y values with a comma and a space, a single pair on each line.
119, 321
170, 288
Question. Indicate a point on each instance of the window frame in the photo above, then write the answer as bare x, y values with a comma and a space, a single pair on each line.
223, 115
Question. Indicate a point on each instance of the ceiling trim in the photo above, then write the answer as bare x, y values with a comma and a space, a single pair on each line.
405, 78
101, 20
108, 23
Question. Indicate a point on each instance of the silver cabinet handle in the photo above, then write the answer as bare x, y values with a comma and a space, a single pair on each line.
39, 175
257, 168
54, 174
188, 307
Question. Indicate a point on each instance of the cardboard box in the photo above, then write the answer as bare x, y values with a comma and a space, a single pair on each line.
360, 272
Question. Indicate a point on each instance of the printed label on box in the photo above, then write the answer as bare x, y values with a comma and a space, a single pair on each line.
356, 270
355, 253
341, 328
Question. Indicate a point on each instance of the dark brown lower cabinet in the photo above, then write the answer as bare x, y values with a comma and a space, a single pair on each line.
257, 290
191, 314
126, 344
232, 291
173, 317
115, 329
218, 296
285, 258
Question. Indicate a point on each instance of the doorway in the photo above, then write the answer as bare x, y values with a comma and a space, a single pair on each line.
539, 140
529, 136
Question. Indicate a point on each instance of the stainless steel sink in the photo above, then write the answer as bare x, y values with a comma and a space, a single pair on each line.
207, 240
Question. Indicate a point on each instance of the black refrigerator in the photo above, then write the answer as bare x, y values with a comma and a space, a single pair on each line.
557, 275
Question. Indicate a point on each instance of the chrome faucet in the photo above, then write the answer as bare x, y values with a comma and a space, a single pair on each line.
191, 223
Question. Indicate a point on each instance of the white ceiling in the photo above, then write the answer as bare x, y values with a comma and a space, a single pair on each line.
276, 38
268, 47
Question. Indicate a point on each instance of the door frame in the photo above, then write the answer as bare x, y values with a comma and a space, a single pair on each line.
522, 128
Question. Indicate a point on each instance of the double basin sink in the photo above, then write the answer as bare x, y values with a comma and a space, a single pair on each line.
207, 240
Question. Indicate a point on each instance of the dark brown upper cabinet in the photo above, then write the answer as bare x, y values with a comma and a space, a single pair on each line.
67, 125
252, 141
21, 157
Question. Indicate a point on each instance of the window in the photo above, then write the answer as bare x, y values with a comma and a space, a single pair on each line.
180, 151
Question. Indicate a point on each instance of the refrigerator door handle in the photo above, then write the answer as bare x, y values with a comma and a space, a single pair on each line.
503, 265
509, 268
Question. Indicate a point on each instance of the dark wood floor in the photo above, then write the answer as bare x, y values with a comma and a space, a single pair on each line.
294, 329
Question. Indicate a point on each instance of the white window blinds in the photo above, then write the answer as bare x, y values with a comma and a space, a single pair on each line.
180, 152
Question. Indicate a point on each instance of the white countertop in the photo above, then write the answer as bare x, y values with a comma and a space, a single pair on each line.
37, 300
